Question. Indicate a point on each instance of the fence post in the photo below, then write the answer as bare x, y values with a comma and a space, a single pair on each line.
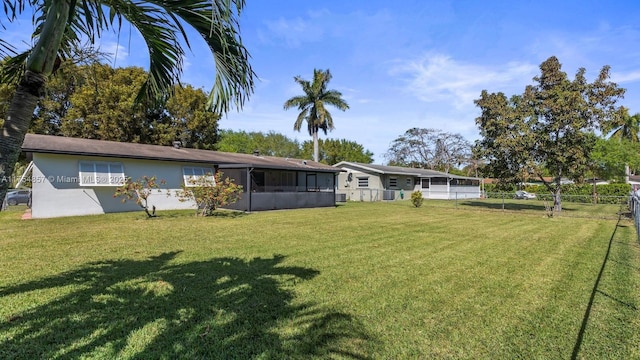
502, 202
635, 210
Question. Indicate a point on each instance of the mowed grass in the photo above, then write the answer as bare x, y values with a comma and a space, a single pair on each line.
538, 207
358, 281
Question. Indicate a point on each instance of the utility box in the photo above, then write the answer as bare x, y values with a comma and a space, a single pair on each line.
388, 195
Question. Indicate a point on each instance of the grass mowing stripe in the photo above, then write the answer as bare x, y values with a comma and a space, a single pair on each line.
362, 280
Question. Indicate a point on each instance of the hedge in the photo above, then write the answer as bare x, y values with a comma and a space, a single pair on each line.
583, 193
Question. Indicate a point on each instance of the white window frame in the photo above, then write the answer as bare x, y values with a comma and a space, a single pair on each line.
363, 180
100, 173
195, 173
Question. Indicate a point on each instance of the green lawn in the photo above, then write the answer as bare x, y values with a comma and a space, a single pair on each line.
359, 281
538, 207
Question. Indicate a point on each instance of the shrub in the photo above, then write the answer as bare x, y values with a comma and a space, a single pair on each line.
209, 194
140, 189
416, 198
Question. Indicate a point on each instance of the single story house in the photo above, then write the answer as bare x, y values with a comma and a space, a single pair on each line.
369, 182
73, 176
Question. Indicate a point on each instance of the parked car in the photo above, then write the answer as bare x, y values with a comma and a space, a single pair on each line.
16, 197
524, 195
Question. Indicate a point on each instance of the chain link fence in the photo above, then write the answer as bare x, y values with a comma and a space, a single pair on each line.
589, 206
584, 206
635, 211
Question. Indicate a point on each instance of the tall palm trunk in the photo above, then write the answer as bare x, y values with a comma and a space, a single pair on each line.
39, 67
316, 150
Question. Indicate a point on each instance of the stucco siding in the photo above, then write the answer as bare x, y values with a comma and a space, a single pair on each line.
57, 190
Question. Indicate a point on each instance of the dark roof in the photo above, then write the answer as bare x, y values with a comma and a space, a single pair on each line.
399, 170
49, 144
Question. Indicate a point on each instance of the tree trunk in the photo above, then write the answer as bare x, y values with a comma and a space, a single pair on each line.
16, 125
39, 66
557, 196
316, 150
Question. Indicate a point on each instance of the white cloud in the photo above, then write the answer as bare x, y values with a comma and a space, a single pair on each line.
118, 53
628, 77
292, 32
439, 78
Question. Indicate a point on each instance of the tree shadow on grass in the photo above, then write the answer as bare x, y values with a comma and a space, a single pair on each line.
224, 308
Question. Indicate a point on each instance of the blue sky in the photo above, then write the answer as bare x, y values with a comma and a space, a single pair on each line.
405, 64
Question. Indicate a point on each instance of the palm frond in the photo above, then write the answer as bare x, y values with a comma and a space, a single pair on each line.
159, 34
302, 116
217, 23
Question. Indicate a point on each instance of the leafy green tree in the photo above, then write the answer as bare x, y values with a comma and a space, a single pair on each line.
333, 151
102, 107
551, 125
97, 101
611, 157
312, 106
59, 24
269, 144
193, 122
70, 75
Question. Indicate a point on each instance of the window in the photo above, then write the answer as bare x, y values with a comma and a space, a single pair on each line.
194, 175
439, 181
466, 182
363, 182
101, 174
425, 183
393, 182
409, 182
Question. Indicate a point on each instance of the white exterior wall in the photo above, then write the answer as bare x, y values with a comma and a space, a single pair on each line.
373, 192
56, 191
464, 192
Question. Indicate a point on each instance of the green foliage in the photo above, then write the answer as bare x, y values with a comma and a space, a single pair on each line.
333, 151
210, 192
274, 144
269, 144
583, 193
102, 105
139, 190
550, 126
626, 127
188, 119
610, 157
417, 199
98, 102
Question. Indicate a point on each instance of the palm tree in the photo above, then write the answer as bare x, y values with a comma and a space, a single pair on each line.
312, 105
627, 130
629, 127
59, 25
